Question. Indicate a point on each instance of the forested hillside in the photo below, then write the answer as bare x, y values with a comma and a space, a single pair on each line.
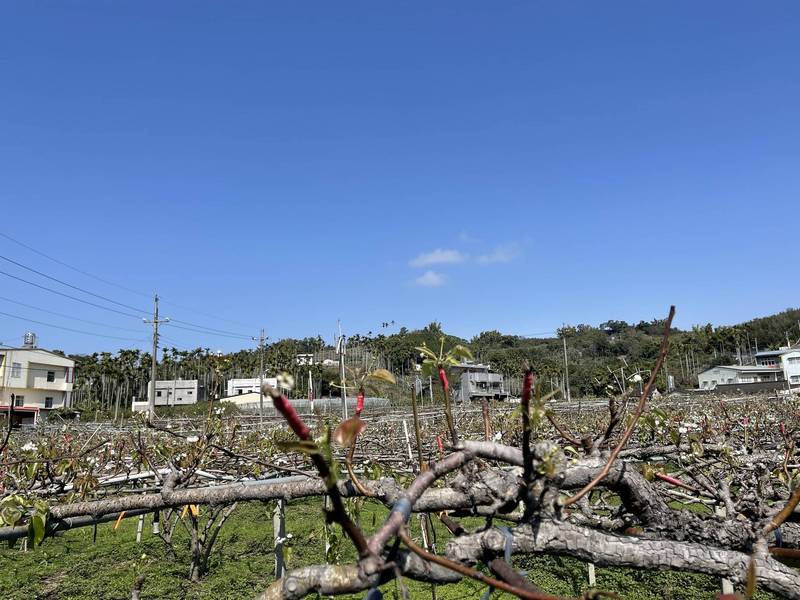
598, 356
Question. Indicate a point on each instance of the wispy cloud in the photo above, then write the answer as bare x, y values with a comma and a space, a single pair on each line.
429, 279
501, 254
465, 237
438, 257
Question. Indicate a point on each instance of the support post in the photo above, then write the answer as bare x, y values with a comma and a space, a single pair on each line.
279, 532
408, 442
139, 528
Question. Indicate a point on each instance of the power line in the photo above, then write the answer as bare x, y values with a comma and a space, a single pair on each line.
42, 287
112, 301
13, 337
112, 337
58, 314
211, 329
111, 283
228, 335
76, 269
74, 287
209, 315
176, 344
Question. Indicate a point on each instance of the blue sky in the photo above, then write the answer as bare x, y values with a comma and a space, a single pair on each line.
489, 165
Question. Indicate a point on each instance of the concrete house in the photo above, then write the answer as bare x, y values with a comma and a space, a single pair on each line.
36, 380
786, 359
176, 392
237, 387
475, 381
771, 367
173, 392
711, 378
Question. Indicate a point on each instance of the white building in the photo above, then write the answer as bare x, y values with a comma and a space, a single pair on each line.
38, 381
787, 359
173, 392
476, 381
735, 375
771, 367
237, 387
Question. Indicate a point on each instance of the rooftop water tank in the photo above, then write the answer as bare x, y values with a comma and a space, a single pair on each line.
29, 340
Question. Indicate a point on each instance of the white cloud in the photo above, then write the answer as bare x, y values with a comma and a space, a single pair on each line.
438, 257
501, 254
429, 279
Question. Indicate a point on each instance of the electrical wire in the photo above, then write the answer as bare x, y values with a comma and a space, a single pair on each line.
58, 314
106, 299
111, 337
212, 333
199, 312
43, 287
212, 330
111, 283
69, 285
76, 269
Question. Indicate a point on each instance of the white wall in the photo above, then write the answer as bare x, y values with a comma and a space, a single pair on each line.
176, 392
34, 398
710, 379
30, 379
236, 387
791, 366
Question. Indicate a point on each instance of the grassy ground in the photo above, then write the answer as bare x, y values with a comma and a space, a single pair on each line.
73, 567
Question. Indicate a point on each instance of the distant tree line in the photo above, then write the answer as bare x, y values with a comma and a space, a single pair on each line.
600, 358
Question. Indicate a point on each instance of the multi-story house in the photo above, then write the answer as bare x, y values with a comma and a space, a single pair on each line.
34, 381
475, 381
772, 366
787, 359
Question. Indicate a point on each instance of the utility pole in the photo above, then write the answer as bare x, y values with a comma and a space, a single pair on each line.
260, 339
151, 401
566, 369
341, 349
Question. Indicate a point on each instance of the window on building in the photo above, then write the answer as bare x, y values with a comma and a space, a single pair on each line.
795, 379
16, 370
51, 376
730, 379
48, 402
158, 394
794, 360
19, 400
240, 391
189, 392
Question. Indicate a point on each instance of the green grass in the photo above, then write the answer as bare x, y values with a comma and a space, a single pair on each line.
72, 567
